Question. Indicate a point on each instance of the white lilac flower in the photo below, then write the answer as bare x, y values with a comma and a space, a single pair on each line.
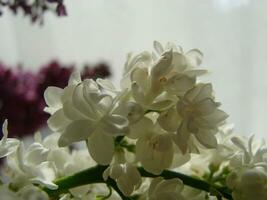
89, 113
216, 158
31, 166
97, 192
79, 160
224, 150
7, 194
195, 194
55, 98
28, 192
126, 175
155, 142
161, 189
248, 184
181, 75
67, 163
198, 116
185, 63
142, 60
7, 145
169, 67
248, 178
31, 192
162, 113
147, 85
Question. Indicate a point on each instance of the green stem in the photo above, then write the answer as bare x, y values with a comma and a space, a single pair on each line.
94, 175
189, 181
88, 176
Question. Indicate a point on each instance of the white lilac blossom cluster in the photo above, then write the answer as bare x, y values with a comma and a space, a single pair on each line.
161, 136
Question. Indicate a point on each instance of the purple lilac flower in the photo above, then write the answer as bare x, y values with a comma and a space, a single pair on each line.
35, 9
19, 101
21, 93
100, 70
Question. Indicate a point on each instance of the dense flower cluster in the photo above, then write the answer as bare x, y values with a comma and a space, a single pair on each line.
161, 136
35, 9
21, 100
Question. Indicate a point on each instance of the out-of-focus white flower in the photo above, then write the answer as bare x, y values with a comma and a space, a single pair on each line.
7, 145
31, 166
210, 164
195, 194
126, 175
154, 147
200, 117
161, 189
224, 150
96, 192
7, 194
88, 113
28, 192
79, 160
250, 155
248, 184
248, 179
216, 158
31, 192
67, 163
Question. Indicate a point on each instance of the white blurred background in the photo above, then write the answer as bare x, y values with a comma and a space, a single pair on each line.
232, 34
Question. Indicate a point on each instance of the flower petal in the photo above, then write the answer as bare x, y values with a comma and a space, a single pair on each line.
158, 47
125, 187
181, 137
76, 131
70, 112
137, 130
101, 148
106, 84
162, 66
44, 175
52, 96
5, 131
153, 185
179, 62
207, 139
75, 78
206, 106
179, 84
169, 185
199, 92
194, 57
161, 105
80, 102
216, 117
58, 121
140, 76
137, 93
169, 119
195, 72
114, 125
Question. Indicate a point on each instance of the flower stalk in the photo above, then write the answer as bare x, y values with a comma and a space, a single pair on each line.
94, 175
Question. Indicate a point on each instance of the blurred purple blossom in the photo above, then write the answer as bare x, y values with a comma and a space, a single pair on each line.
35, 9
21, 93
